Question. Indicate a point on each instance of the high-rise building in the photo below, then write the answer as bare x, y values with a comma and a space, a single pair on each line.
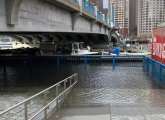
121, 13
150, 13
111, 12
124, 14
99, 4
132, 19
118, 12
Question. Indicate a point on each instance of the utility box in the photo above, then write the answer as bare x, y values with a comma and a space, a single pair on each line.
158, 44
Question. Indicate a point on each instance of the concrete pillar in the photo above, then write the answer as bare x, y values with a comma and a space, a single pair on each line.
74, 17
110, 34
92, 24
100, 27
12, 11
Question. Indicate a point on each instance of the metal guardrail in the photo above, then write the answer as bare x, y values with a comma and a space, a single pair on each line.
87, 6
113, 61
43, 104
30, 61
74, 1
99, 15
154, 69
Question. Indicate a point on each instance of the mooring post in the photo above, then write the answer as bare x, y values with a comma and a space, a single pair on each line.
30, 64
58, 61
113, 62
160, 73
4, 69
85, 59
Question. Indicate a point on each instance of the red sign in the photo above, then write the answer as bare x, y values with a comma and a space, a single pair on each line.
158, 44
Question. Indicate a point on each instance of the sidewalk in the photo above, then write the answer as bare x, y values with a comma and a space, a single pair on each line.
83, 112
107, 112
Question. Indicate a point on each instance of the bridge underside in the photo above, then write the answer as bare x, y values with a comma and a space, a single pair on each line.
62, 40
88, 38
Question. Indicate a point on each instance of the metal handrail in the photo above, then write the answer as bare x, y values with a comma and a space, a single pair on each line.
88, 7
52, 101
99, 15
154, 68
72, 79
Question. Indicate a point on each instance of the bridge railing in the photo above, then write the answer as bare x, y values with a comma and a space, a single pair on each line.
43, 104
106, 22
88, 7
112, 61
99, 15
74, 1
154, 69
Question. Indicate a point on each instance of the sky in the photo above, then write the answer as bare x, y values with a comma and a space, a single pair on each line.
105, 5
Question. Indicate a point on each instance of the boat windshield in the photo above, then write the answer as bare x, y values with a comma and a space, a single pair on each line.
75, 46
81, 45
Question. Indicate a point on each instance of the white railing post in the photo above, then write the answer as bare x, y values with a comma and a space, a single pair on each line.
45, 103
56, 96
96, 8
64, 85
70, 81
26, 111
80, 4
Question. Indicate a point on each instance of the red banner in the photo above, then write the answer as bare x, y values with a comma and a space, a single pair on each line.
158, 44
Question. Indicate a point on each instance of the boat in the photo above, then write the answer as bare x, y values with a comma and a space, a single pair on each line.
78, 49
10, 44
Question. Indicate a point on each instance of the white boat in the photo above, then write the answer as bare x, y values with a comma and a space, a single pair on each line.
9, 43
13, 45
78, 49
144, 53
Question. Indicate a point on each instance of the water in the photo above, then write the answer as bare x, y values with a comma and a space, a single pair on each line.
97, 84
124, 85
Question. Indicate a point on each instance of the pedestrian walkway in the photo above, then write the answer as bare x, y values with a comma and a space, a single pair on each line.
83, 112
110, 112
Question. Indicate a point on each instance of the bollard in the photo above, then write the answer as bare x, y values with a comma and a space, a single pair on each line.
113, 63
58, 61
160, 73
85, 59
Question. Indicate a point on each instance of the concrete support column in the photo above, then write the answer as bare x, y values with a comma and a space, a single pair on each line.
109, 34
92, 24
12, 11
105, 30
74, 17
100, 27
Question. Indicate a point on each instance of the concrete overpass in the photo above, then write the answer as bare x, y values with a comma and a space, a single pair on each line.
54, 16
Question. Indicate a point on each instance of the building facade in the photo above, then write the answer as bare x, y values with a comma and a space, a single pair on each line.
133, 17
99, 4
118, 12
150, 13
